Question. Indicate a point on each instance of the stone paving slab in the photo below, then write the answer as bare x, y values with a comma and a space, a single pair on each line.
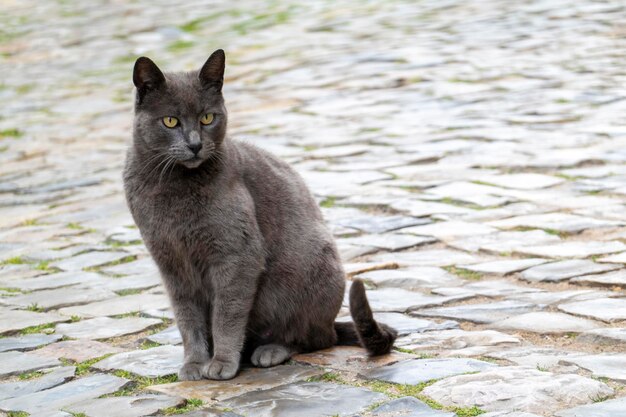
411, 278
513, 388
12, 363
305, 398
105, 327
458, 342
13, 320
58, 298
139, 406
88, 260
616, 278
64, 395
610, 408
55, 377
602, 366
78, 350
546, 322
118, 306
27, 341
248, 380
609, 336
348, 358
158, 361
605, 309
417, 371
407, 407
480, 313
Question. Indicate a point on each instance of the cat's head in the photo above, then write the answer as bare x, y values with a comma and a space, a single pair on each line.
180, 117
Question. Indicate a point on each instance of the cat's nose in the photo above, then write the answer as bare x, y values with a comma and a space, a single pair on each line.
195, 147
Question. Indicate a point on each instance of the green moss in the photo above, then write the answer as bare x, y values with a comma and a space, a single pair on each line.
196, 24
420, 355
17, 414
74, 226
130, 314
148, 344
190, 405
139, 383
468, 412
11, 133
74, 319
326, 377
30, 375
84, 367
43, 266
124, 260
129, 291
38, 329
463, 273
10, 289
16, 260
35, 307
180, 45
24, 88
115, 244
328, 202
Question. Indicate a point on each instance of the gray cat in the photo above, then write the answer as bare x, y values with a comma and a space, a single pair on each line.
250, 268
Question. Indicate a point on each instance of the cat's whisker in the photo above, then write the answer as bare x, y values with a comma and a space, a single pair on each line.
148, 163
170, 160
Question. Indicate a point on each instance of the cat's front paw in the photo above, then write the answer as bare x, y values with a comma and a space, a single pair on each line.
191, 371
221, 368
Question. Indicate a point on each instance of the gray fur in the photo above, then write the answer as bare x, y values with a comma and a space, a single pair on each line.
247, 261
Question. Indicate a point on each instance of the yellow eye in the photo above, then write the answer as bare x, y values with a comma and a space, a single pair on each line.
207, 119
170, 121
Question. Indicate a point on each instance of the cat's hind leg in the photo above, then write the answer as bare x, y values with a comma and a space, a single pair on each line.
265, 356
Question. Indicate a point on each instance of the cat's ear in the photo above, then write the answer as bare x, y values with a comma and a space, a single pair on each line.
212, 72
146, 76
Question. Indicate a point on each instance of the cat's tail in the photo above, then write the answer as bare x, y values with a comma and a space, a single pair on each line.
376, 337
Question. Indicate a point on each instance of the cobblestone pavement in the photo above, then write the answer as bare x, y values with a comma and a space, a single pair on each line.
468, 155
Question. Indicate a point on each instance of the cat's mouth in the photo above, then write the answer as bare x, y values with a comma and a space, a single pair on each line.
192, 162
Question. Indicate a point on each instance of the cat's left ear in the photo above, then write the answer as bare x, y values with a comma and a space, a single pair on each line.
212, 72
146, 76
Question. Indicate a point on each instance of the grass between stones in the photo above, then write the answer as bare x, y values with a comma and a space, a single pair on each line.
17, 414
463, 273
47, 328
129, 291
328, 202
124, 260
148, 344
84, 367
11, 133
418, 355
138, 383
16, 260
30, 375
190, 405
397, 391
115, 244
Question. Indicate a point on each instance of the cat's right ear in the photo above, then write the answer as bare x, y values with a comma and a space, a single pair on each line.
146, 77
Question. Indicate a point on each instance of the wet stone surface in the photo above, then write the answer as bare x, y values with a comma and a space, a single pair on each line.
422, 370
305, 398
473, 177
